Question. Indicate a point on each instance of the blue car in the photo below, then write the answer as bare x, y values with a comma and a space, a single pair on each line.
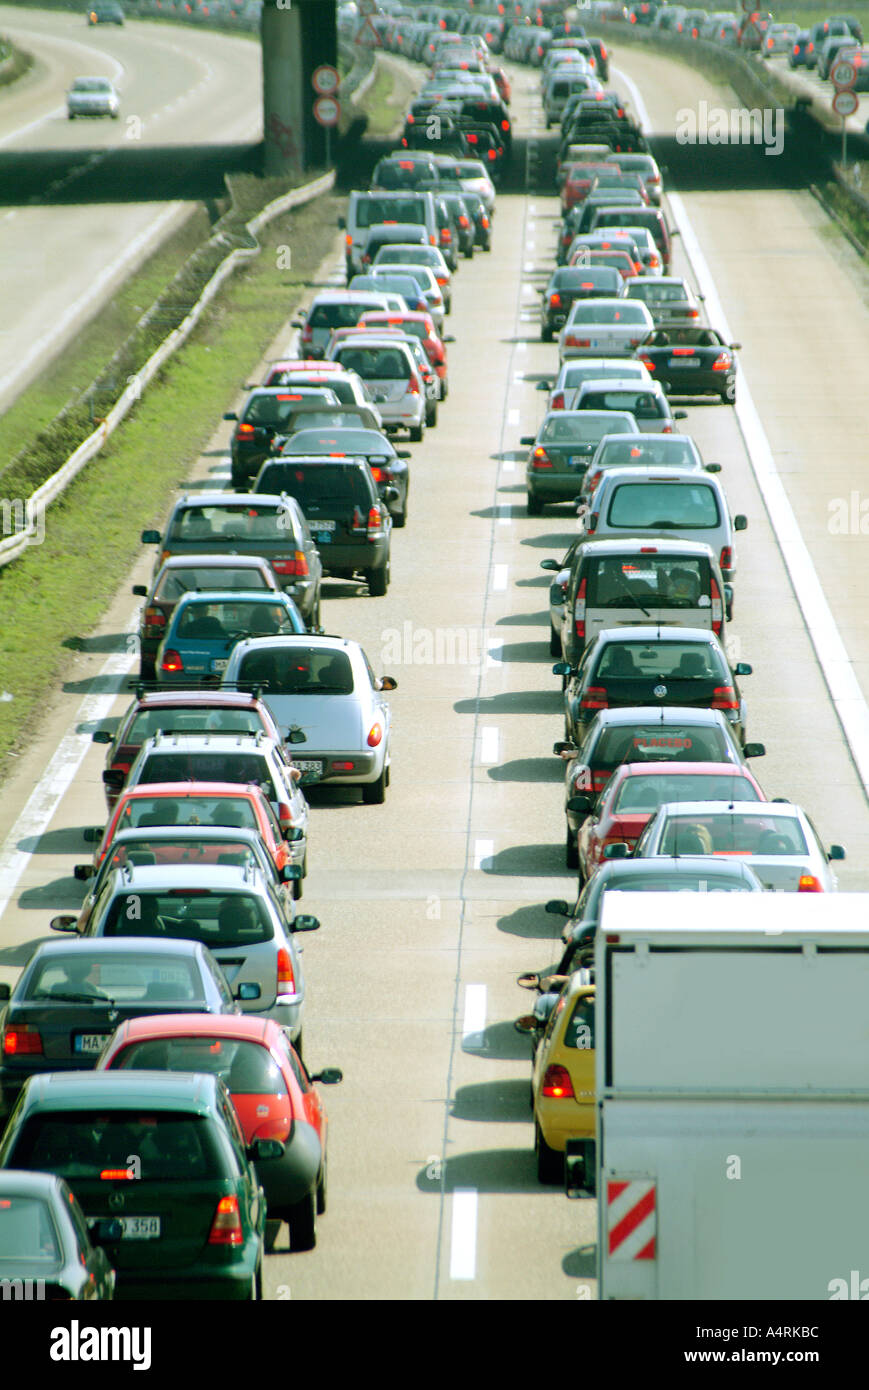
205, 627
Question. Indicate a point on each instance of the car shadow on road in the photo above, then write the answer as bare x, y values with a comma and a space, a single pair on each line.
528, 770
524, 619
538, 582
529, 861
509, 455
487, 1170
503, 509
581, 1263
498, 1102
17, 956
69, 840
63, 894
515, 702
535, 924
99, 685
520, 652
500, 1042
105, 642
558, 543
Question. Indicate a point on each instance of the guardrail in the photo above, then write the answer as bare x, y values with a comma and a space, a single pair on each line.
33, 510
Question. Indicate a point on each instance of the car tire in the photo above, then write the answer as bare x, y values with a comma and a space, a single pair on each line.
417, 433
378, 581
469, 254
534, 506
445, 388
322, 1189
554, 643
399, 520
374, 793
301, 1218
256, 1286
546, 335
571, 853
316, 616
147, 670
550, 1163
273, 1228
728, 398
239, 481
431, 415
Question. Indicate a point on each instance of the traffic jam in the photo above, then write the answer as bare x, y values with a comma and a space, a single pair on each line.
183, 967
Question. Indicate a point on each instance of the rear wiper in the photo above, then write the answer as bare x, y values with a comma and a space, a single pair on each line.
633, 597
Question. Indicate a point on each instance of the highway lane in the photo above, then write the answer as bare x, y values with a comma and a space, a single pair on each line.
61, 259
435, 897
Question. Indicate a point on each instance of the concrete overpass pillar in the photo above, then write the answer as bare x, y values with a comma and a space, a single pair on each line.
297, 37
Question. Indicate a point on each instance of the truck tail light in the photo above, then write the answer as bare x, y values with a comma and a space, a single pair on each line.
595, 697
226, 1228
557, 1084
579, 611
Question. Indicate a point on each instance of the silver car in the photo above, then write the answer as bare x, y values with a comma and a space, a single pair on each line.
562, 392
776, 838
604, 328
326, 688
388, 368
92, 96
646, 450
647, 404
670, 300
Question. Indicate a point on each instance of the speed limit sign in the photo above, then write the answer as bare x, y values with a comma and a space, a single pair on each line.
843, 74
325, 80
845, 103
326, 111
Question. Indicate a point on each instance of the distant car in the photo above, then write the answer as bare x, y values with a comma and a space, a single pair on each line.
670, 299
563, 1078
388, 465
562, 449
780, 38
92, 96
569, 283
164, 1157
777, 840
272, 1093
604, 327
647, 404
646, 451
802, 51
45, 1244
691, 361
263, 416
389, 370
562, 391
105, 12
205, 626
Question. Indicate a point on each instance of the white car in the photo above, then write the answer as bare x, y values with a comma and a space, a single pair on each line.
474, 179
604, 328
92, 96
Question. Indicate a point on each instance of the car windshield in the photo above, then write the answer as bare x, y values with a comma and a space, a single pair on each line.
150, 811
247, 521
246, 1068
298, 671
732, 833
204, 719
97, 1143
659, 742
26, 1230
645, 660
127, 978
215, 919
669, 451
222, 620
228, 765
664, 506
641, 793
176, 582
616, 581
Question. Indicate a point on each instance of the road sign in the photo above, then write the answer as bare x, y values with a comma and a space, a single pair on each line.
750, 7
325, 80
326, 111
843, 74
368, 7
845, 103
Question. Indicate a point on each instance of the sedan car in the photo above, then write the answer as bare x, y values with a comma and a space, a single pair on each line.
46, 1250
669, 299
92, 96
273, 1095
327, 688
647, 404
72, 994
604, 327
778, 840
569, 283
562, 391
562, 449
691, 362
655, 667
388, 465
165, 1158
646, 451
205, 627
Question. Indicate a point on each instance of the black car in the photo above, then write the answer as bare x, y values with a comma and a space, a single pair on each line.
105, 12
73, 994
395, 173
388, 465
691, 361
476, 205
349, 523
569, 283
491, 113
263, 415
653, 666
463, 221
46, 1250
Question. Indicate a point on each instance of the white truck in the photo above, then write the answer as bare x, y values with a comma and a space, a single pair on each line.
732, 1056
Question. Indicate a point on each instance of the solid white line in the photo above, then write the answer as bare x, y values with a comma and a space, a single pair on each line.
499, 578
505, 517
529, 265
483, 850
522, 346
474, 1023
489, 740
463, 1234
508, 466
836, 665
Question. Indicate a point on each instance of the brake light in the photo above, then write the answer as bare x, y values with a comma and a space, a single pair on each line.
725, 559
172, 661
578, 342
557, 402
413, 385
717, 609
245, 431
540, 458
492, 154
116, 1174
505, 125
554, 301
432, 239
286, 978
595, 697
375, 522
226, 1227
22, 1041
724, 697
446, 235
809, 884
579, 611
591, 522
154, 618
722, 362
348, 240
647, 362
375, 736
557, 1084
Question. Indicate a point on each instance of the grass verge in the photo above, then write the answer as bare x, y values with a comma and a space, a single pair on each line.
18, 63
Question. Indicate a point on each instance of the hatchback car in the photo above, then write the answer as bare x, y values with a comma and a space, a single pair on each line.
273, 1095
387, 367
327, 688
691, 362
263, 416
646, 451
389, 467
562, 391
205, 626
562, 449
165, 1158
563, 1078
334, 309
569, 283
46, 1249
647, 404
604, 327
431, 284
92, 96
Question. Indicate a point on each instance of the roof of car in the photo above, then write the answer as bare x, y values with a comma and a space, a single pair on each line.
723, 808
663, 633
196, 787
666, 767
124, 1090
222, 878
216, 561
617, 383
126, 945
261, 1030
231, 596
195, 742
175, 699
18, 1182
666, 545
300, 639
680, 863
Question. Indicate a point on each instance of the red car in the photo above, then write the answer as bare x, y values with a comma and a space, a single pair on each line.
421, 326
272, 1093
279, 371
636, 790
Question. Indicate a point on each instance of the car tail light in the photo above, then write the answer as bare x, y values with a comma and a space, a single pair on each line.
578, 342
557, 1084
172, 661
667, 429
442, 280
413, 385
595, 697
464, 220
154, 617
432, 239
484, 222
724, 697
693, 313
599, 780
116, 1174
554, 301
375, 736
579, 611
725, 559
226, 1227
717, 609
647, 362
286, 978
722, 362
348, 241
540, 459
20, 1040
809, 884
245, 431
375, 522
446, 235
505, 125
557, 402
298, 565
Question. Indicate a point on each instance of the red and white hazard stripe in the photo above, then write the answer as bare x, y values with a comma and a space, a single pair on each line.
632, 1219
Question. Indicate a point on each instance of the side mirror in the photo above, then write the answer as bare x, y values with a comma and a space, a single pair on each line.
247, 991
64, 923
728, 602
579, 1168
562, 668
391, 494
579, 802
836, 852
265, 1150
680, 415
83, 872
712, 467
293, 833
403, 453
740, 523
290, 873
5, 992
296, 735
527, 439
551, 565
387, 683
305, 921
735, 347
530, 981
617, 849
92, 834
527, 1024
140, 590
230, 415
543, 386
754, 750
342, 223
565, 749
113, 778
151, 538
742, 668
329, 1076
557, 907
101, 736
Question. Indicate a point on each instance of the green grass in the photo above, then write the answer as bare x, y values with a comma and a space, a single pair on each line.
52, 598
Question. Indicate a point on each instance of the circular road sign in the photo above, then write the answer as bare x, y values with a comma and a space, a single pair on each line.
843, 74
750, 7
325, 81
326, 111
368, 7
845, 103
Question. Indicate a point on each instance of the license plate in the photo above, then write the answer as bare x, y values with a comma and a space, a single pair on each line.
220, 664
324, 525
322, 537
140, 1227
577, 461
90, 1042
310, 765
678, 362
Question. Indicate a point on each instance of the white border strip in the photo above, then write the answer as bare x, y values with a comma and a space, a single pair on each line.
463, 1234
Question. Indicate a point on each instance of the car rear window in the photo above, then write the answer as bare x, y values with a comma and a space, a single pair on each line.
341, 441
579, 1030
670, 451
27, 1231
185, 850
236, 522
587, 311
245, 1067
188, 914
327, 487
573, 429
675, 660
644, 405
404, 173
97, 1143
617, 581
194, 721
632, 742
648, 793
150, 811
339, 385
300, 671
216, 621
127, 978
678, 883
731, 833
176, 583
370, 211
213, 766
275, 410
658, 294
692, 506
375, 364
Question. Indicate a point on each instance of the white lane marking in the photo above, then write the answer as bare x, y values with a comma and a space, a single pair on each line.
518, 376
531, 226
529, 265
489, 741
474, 1023
483, 851
832, 654
505, 514
512, 417
52, 786
509, 466
532, 207
463, 1234
522, 346
499, 578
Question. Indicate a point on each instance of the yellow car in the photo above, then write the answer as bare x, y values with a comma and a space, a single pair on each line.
562, 1081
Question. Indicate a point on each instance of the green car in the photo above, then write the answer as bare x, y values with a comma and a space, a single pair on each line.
161, 1153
